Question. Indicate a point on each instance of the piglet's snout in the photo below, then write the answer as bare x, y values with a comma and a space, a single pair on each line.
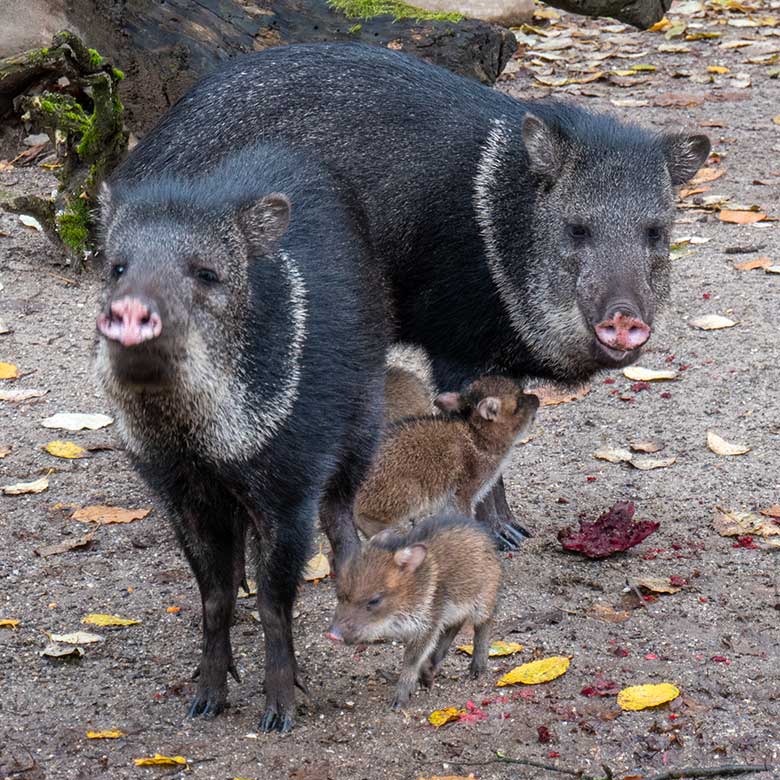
129, 321
334, 634
622, 331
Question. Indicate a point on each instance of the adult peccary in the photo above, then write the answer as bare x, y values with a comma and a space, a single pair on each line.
242, 345
527, 238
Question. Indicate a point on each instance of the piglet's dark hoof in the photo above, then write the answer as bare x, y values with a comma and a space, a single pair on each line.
275, 721
509, 536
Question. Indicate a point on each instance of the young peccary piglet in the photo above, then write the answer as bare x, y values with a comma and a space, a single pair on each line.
408, 384
420, 588
429, 463
243, 349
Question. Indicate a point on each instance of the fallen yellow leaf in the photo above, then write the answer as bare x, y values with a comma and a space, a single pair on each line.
707, 174
9, 623
439, 717
711, 322
8, 371
535, 672
20, 488
740, 217
106, 515
639, 374
660, 26
100, 619
159, 760
640, 697
721, 447
719, 69
776, 120
109, 734
65, 449
497, 649
317, 568
657, 584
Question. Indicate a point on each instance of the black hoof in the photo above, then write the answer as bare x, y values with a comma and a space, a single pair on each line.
205, 707
510, 536
274, 721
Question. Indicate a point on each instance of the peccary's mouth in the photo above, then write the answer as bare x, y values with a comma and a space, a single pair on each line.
608, 357
141, 368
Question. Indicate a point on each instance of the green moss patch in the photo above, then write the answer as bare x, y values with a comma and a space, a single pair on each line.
367, 9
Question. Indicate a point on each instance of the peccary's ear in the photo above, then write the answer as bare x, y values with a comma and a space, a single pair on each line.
489, 408
544, 147
452, 403
265, 221
409, 558
106, 200
685, 154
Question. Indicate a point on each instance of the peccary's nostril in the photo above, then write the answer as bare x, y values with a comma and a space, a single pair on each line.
334, 634
623, 332
129, 321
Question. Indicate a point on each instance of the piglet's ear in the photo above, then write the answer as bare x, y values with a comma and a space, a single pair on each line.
383, 537
452, 403
408, 559
685, 154
545, 147
489, 408
265, 221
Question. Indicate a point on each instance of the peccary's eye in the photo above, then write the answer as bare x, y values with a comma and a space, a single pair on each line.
654, 233
374, 602
206, 275
578, 231
117, 270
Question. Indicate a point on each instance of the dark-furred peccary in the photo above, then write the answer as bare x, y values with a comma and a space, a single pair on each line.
526, 238
242, 345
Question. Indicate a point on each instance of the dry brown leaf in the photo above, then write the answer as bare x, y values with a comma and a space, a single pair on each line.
106, 515
549, 395
5, 450
607, 613
656, 584
721, 447
53, 650
317, 567
677, 100
76, 638
711, 322
772, 511
612, 454
75, 421
21, 488
750, 265
648, 464
740, 217
646, 446
67, 545
707, 175
15, 396
744, 523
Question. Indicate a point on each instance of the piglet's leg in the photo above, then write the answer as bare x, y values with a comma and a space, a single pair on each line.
431, 666
479, 658
416, 655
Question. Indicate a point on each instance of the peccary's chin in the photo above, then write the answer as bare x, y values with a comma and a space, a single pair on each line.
139, 368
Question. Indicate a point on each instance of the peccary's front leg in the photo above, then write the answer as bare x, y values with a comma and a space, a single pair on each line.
494, 512
215, 550
481, 649
284, 543
416, 654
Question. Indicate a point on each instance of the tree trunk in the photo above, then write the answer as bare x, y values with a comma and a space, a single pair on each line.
164, 47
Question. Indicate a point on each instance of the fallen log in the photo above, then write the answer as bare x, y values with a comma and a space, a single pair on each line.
165, 47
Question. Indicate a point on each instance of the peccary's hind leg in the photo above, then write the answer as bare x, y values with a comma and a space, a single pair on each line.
481, 651
283, 542
494, 512
213, 541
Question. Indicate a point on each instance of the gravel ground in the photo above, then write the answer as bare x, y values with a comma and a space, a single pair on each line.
716, 639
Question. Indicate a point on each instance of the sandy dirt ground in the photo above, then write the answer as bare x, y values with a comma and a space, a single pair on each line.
716, 639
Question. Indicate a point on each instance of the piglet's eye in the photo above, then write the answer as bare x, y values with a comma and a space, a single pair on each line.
654, 233
207, 276
374, 602
117, 270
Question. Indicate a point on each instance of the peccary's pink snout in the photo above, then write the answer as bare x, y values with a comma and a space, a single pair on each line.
334, 634
129, 321
622, 331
